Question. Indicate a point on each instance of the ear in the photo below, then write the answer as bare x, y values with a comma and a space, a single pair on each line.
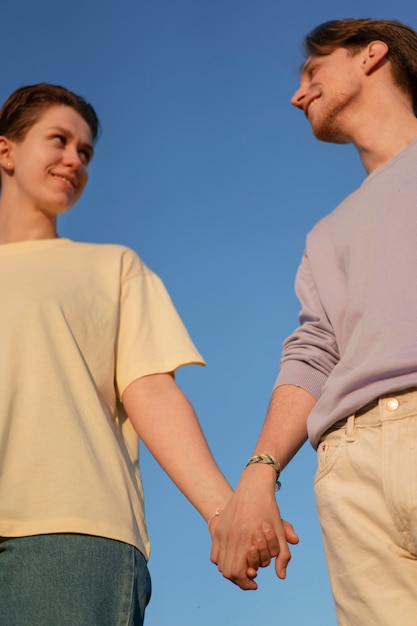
373, 55
6, 161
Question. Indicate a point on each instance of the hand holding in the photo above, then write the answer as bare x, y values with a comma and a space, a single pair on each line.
250, 531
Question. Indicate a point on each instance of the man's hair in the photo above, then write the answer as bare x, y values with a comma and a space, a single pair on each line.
355, 34
25, 106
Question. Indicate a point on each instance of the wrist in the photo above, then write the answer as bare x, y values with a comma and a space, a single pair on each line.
260, 476
214, 516
269, 461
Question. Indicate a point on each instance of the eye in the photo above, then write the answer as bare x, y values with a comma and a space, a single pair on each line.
85, 156
61, 139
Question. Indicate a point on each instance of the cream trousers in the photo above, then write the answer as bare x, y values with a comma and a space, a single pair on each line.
366, 493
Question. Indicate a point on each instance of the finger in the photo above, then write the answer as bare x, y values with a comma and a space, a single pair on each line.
290, 533
267, 546
245, 582
214, 553
260, 543
252, 558
248, 585
271, 539
233, 567
283, 558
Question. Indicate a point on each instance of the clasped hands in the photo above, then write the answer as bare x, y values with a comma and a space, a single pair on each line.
248, 534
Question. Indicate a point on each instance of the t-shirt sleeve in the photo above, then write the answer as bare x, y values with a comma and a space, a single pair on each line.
152, 338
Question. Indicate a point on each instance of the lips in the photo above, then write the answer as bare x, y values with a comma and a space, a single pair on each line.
70, 180
309, 103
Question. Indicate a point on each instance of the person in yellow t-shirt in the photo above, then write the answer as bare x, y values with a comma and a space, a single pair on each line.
89, 341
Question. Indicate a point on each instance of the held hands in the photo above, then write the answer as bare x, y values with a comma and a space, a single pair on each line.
260, 554
250, 532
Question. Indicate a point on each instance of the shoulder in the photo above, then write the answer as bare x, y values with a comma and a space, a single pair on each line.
113, 255
343, 216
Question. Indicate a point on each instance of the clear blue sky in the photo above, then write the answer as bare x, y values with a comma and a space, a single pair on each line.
209, 174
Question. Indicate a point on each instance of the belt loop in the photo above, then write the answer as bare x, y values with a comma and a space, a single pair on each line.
350, 428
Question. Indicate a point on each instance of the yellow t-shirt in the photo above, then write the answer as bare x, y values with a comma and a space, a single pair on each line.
78, 323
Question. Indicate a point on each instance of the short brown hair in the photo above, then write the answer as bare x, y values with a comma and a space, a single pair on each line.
24, 107
355, 34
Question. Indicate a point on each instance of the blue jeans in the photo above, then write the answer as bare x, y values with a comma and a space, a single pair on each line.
72, 580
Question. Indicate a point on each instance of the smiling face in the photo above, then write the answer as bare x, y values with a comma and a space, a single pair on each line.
49, 166
330, 87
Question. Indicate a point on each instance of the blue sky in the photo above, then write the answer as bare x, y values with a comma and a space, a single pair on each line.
206, 171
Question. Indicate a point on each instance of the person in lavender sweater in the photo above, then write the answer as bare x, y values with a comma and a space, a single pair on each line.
348, 375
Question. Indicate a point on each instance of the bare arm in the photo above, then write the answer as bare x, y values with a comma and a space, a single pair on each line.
251, 523
167, 424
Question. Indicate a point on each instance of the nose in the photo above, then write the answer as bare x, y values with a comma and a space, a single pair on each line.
298, 97
72, 158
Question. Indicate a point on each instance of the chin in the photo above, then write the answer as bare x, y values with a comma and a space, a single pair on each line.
329, 134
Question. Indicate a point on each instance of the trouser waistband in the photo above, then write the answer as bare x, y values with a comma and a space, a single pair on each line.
388, 407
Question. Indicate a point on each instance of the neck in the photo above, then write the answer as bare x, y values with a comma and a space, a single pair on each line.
381, 134
376, 152
15, 235
18, 224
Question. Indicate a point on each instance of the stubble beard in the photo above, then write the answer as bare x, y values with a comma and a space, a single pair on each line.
330, 127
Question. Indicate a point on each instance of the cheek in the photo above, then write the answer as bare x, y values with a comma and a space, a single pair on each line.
83, 178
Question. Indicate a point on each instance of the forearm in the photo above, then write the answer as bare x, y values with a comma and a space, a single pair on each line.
285, 427
282, 435
167, 424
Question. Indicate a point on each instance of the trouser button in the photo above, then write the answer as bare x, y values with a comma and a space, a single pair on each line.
391, 404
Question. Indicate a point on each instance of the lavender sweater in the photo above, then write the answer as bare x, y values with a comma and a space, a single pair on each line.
357, 285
